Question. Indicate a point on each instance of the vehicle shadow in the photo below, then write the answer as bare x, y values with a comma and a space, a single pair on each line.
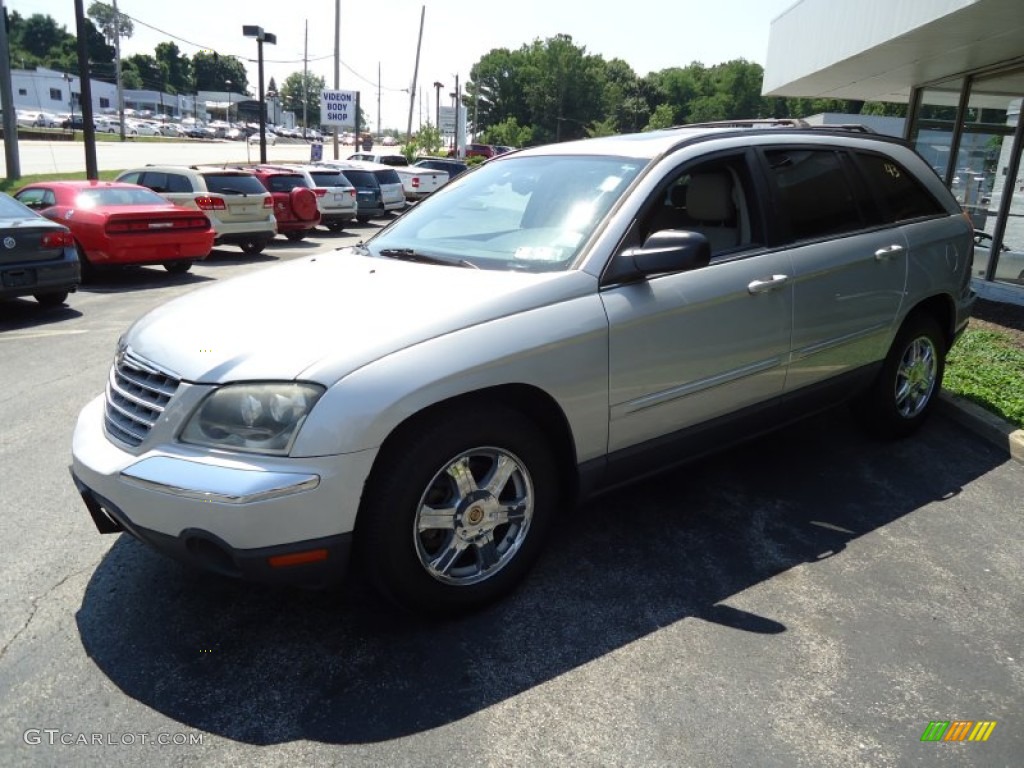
21, 313
116, 280
262, 665
223, 258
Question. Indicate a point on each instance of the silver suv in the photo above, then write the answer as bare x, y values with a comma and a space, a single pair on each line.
562, 320
237, 205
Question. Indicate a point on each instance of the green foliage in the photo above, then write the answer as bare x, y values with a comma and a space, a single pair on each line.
111, 24
426, 142
662, 118
176, 67
507, 133
986, 367
212, 72
293, 95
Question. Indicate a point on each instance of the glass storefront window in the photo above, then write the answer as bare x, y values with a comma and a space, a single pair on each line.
980, 174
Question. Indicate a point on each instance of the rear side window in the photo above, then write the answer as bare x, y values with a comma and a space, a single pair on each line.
388, 177
903, 196
165, 182
233, 184
814, 193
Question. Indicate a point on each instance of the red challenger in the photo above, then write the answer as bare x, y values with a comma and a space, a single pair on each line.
116, 224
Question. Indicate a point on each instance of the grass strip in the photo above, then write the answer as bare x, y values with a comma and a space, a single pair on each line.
986, 368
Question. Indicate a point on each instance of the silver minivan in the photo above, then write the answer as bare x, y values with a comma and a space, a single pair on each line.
562, 320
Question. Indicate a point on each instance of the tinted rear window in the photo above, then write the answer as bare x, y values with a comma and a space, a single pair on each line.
90, 198
286, 182
330, 179
12, 209
387, 176
815, 195
233, 184
362, 178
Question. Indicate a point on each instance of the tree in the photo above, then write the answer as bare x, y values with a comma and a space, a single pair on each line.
426, 142
148, 71
212, 71
38, 34
293, 95
508, 133
177, 68
111, 24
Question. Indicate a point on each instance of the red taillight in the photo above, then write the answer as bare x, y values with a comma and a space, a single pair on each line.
415, 182
319, 191
57, 240
211, 204
119, 227
352, 192
268, 202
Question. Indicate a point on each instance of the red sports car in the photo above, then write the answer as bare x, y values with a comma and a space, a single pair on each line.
114, 223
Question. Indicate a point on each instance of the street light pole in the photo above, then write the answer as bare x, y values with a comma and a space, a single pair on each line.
227, 115
261, 36
437, 89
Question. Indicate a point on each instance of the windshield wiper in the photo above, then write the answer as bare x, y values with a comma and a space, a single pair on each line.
408, 254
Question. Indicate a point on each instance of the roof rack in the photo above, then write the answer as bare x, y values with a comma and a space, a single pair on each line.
779, 122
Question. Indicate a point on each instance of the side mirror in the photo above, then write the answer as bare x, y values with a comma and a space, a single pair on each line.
669, 250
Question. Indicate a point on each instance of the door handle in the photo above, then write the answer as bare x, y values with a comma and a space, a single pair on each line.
889, 252
767, 285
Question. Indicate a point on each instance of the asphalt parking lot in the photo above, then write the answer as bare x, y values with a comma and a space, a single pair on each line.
810, 598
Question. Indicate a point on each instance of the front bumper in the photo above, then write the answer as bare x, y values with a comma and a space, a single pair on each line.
271, 519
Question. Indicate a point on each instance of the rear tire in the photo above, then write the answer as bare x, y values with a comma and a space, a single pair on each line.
907, 388
178, 267
51, 299
253, 247
335, 226
456, 511
362, 219
295, 236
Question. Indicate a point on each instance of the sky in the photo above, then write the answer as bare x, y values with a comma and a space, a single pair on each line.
649, 35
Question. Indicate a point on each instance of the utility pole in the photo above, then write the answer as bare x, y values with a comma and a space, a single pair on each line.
415, 74
117, 66
85, 91
11, 156
305, 83
457, 123
337, 62
380, 129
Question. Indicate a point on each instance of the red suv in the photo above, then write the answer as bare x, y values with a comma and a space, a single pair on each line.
294, 201
477, 150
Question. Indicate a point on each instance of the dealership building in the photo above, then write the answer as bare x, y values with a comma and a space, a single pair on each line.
958, 64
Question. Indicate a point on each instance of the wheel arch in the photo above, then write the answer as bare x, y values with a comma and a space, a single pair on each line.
942, 308
532, 402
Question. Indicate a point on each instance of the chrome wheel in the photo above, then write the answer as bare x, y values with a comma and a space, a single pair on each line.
474, 516
916, 376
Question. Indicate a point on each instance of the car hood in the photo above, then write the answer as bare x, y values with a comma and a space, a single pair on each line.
331, 313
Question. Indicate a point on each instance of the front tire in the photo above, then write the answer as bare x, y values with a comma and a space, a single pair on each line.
907, 387
456, 512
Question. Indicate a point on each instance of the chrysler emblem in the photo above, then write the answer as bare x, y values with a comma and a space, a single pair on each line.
9, 242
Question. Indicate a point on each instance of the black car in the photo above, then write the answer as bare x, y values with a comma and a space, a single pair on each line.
38, 257
453, 167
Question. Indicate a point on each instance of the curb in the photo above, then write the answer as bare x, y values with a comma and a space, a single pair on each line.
992, 428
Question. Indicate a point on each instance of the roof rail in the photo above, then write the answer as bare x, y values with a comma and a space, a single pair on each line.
779, 122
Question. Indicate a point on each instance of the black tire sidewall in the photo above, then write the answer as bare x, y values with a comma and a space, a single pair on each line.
878, 407
385, 539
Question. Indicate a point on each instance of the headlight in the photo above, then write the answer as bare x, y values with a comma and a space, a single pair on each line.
261, 418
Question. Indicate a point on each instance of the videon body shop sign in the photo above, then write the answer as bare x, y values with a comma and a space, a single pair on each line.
337, 107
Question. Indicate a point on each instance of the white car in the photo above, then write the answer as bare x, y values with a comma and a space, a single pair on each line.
271, 138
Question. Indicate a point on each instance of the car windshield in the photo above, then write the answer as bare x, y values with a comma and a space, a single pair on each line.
12, 209
527, 213
93, 198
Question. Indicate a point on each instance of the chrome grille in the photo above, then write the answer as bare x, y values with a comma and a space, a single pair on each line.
137, 393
